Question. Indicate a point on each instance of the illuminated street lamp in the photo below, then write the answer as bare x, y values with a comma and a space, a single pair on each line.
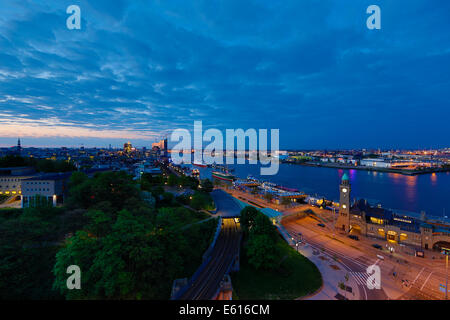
446, 252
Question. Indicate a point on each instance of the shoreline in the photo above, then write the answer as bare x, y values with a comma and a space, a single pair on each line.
364, 168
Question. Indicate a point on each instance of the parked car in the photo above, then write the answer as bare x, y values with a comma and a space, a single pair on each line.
377, 246
353, 237
321, 225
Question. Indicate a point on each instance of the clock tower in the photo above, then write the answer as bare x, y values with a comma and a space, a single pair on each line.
343, 220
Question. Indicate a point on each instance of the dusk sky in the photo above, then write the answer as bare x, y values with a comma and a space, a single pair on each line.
139, 69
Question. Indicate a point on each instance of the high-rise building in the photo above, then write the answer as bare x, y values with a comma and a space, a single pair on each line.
162, 144
127, 147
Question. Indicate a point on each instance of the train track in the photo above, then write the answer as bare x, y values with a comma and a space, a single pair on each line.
206, 286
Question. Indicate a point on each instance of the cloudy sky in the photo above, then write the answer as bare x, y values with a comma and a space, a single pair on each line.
139, 69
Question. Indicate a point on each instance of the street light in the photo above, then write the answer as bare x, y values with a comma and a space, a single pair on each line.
446, 252
334, 222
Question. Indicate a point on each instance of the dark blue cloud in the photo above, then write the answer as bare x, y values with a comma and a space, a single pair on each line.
139, 69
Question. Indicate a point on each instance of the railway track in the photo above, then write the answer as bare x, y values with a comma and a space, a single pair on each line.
207, 284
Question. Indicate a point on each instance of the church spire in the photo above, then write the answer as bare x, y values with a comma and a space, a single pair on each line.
19, 147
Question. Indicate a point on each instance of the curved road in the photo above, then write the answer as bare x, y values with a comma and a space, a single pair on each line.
226, 205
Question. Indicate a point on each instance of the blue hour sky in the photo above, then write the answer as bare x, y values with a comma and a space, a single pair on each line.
139, 69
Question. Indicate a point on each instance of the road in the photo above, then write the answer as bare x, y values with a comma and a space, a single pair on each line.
225, 204
207, 284
414, 279
350, 258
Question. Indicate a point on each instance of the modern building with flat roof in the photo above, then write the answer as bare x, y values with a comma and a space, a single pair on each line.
53, 187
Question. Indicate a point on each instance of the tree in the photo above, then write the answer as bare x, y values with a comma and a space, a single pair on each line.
77, 178
13, 161
207, 185
263, 225
100, 222
172, 180
202, 200
148, 199
188, 182
248, 215
262, 252
80, 250
114, 187
134, 261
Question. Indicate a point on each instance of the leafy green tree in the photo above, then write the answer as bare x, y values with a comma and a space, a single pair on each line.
207, 185
248, 215
80, 250
148, 181
188, 182
166, 200
77, 178
262, 252
13, 161
263, 225
148, 199
172, 180
114, 187
100, 222
202, 200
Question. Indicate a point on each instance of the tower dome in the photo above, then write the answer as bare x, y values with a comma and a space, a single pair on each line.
345, 177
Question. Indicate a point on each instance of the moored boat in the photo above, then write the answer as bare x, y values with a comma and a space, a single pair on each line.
223, 176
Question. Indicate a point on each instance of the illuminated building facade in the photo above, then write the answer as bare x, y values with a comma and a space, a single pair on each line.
394, 226
11, 179
162, 145
127, 147
52, 187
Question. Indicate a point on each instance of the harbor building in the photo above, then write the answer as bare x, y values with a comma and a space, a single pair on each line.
394, 226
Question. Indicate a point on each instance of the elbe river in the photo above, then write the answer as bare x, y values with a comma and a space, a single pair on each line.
426, 192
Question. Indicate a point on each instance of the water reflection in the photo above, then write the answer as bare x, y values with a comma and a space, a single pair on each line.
433, 178
411, 188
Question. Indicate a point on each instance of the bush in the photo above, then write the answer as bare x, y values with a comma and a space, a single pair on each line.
202, 200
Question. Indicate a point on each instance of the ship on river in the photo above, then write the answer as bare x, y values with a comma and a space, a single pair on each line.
223, 176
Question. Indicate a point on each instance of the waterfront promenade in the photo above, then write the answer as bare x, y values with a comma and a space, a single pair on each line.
345, 166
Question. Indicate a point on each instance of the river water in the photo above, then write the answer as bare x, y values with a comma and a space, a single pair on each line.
427, 192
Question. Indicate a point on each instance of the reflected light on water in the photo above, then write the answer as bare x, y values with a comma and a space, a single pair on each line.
411, 187
433, 178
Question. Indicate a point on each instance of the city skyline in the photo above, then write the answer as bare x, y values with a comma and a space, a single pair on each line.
136, 72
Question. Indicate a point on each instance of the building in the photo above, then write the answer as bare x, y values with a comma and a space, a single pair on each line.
394, 226
146, 167
161, 145
19, 147
11, 179
52, 187
376, 163
127, 147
